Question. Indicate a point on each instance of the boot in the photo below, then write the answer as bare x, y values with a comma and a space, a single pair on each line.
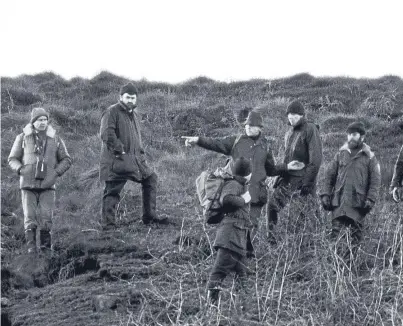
213, 296
30, 236
108, 212
46, 240
149, 191
272, 217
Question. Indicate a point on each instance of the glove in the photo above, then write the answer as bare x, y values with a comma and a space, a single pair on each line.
369, 204
305, 190
327, 206
119, 155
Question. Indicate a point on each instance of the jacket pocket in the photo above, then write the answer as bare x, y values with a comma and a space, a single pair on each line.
262, 192
238, 236
27, 174
125, 164
358, 200
335, 202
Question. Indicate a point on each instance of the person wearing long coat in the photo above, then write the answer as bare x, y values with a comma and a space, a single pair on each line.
352, 183
123, 158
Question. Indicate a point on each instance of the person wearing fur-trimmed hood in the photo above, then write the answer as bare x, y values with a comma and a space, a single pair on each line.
352, 183
39, 156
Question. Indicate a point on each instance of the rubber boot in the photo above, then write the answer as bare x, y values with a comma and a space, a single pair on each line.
30, 236
213, 296
46, 240
272, 217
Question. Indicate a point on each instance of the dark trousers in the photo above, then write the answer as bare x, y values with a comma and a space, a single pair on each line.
346, 234
285, 192
345, 227
111, 198
254, 214
227, 261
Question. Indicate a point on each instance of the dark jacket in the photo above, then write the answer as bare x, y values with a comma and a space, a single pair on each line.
257, 151
351, 180
398, 171
23, 158
120, 132
233, 230
303, 143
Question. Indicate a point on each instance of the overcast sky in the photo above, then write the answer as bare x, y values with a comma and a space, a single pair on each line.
225, 40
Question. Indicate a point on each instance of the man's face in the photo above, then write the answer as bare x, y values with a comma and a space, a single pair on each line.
41, 123
129, 100
252, 131
293, 118
354, 140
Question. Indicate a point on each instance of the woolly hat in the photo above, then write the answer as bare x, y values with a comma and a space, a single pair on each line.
254, 119
38, 112
129, 89
296, 107
356, 127
241, 167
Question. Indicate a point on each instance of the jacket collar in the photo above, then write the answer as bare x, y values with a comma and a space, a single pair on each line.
257, 140
365, 149
125, 108
29, 130
300, 123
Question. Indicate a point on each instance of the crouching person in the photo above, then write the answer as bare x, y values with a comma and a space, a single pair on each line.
352, 184
232, 233
39, 156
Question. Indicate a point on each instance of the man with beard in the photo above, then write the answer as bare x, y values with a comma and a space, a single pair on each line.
397, 180
253, 146
303, 144
123, 158
352, 184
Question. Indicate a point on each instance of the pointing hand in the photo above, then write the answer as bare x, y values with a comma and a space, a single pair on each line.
189, 141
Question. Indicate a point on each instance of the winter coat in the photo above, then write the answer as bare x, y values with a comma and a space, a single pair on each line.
23, 158
120, 132
257, 151
303, 143
397, 179
351, 180
233, 230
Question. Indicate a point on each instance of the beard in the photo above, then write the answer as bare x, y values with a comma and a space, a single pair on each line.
354, 144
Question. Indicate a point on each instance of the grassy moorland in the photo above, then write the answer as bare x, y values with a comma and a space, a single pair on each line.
141, 275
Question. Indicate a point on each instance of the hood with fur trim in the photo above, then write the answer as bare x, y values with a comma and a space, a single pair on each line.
365, 149
29, 130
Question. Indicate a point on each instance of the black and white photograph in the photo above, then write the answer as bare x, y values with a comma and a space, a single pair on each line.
201, 163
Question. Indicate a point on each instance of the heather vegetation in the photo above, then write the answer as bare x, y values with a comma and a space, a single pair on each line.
156, 275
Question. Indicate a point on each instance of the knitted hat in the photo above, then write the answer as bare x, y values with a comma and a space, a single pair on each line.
38, 112
241, 167
129, 89
296, 107
254, 119
356, 127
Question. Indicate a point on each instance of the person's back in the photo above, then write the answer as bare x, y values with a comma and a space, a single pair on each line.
232, 233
